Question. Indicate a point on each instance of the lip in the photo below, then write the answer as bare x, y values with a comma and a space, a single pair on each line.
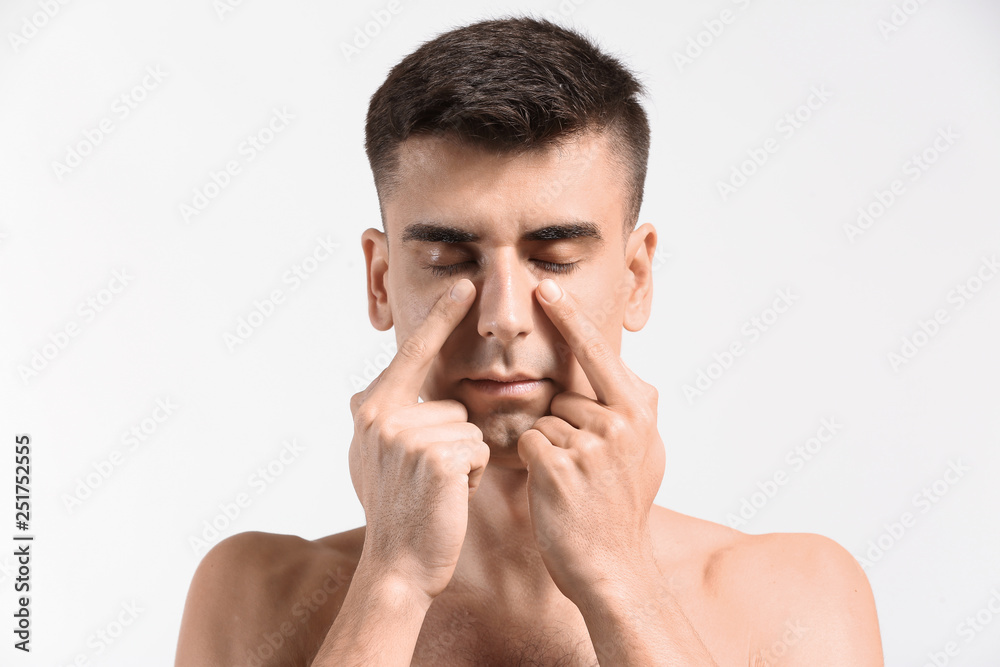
512, 386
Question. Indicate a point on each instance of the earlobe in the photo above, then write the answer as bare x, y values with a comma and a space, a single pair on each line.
374, 245
639, 255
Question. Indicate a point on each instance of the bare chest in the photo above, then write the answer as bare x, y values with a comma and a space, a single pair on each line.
453, 637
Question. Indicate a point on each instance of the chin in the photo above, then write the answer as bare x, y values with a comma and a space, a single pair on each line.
501, 430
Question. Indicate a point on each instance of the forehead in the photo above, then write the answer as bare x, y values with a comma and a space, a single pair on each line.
446, 181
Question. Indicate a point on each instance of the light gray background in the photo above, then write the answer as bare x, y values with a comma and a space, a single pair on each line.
721, 262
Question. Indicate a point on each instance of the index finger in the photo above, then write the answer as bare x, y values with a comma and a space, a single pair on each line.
404, 376
603, 366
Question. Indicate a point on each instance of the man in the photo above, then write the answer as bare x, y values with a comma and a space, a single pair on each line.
507, 459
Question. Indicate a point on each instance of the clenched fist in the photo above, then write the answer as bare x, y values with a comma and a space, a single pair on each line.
415, 466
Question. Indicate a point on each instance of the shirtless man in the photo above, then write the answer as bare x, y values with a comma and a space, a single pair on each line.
507, 459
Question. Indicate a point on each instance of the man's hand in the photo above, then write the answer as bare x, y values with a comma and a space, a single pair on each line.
416, 465
594, 466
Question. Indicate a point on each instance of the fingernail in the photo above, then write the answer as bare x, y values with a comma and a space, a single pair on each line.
461, 290
549, 290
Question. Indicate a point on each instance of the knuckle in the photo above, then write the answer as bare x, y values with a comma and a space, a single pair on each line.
582, 441
357, 397
616, 426
444, 459
645, 414
484, 451
543, 421
388, 427
365, 416
567, 310
596, 350
413, 348
472, 451
528, 436
560, 464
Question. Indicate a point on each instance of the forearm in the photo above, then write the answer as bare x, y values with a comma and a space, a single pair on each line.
377, 625
642, 624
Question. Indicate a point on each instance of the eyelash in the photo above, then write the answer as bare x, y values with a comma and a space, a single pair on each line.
452, 269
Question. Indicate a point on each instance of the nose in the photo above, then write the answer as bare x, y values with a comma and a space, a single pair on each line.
505, 297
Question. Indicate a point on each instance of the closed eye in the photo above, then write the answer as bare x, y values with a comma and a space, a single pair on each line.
452, 269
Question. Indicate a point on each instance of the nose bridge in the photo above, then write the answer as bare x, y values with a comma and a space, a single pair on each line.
505, 296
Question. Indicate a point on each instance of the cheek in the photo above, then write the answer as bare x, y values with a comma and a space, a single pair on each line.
603, 298
408, 314
607, 314
411, 302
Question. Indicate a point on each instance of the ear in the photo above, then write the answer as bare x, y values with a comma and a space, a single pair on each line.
374, 245
639, 252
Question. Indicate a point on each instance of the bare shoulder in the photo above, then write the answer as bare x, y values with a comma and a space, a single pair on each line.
262, 598
807, 598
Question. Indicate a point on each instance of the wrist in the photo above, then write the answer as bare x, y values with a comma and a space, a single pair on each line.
390, 586
378, 604
623, 590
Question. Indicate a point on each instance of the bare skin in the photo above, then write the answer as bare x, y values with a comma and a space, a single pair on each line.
519, 528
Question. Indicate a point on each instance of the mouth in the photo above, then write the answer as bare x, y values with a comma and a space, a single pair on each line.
509, 386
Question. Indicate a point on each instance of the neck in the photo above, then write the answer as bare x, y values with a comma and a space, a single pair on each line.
500, 559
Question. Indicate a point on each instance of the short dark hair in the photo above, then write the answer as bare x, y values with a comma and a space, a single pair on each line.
510, 85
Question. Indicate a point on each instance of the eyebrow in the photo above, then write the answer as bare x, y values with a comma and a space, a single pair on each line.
436, 233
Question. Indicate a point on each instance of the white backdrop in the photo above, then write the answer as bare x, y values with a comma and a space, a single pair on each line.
166, 168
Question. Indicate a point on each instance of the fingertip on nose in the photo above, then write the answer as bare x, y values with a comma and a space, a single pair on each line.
549, 290
462, 290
